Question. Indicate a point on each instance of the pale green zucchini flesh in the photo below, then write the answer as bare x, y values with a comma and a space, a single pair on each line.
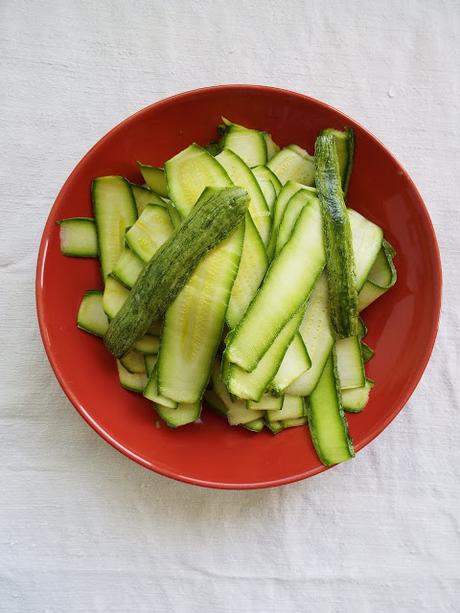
355, 400
381, 277
153, 228
383, 271
293, 423
366, 239
91, 316
272, 147
183, 414
264, 173
147, 344
252, 385
78, 237
145, 237
155, 178
134, 382
254, 426
215, 403
293, 408
295, 164
349, 362
275, 426
295, 206
299, 150
144, 196
285, 289
269, 184
241, 175
328, 427
133, 361
149, 361
316, 333
153, 393
268, 192
249, 145
174, 215
127, 268
296, 361
114, 297
114, 212
237, 411
369, 294
287, 192
189, 173
266, 403
251, 271
239, 414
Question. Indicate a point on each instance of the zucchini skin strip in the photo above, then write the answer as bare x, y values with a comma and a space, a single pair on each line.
345, 146
343, 295
211, 220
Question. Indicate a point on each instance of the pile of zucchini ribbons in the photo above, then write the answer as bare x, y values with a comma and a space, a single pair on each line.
235, 277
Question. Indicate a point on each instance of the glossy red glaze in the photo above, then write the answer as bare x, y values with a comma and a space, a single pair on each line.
402, 324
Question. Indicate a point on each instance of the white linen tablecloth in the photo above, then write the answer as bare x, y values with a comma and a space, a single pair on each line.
82, 528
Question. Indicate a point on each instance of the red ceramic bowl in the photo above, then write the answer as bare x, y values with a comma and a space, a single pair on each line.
402, 325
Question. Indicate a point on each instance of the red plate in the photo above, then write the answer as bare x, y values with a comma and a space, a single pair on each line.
402, 324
